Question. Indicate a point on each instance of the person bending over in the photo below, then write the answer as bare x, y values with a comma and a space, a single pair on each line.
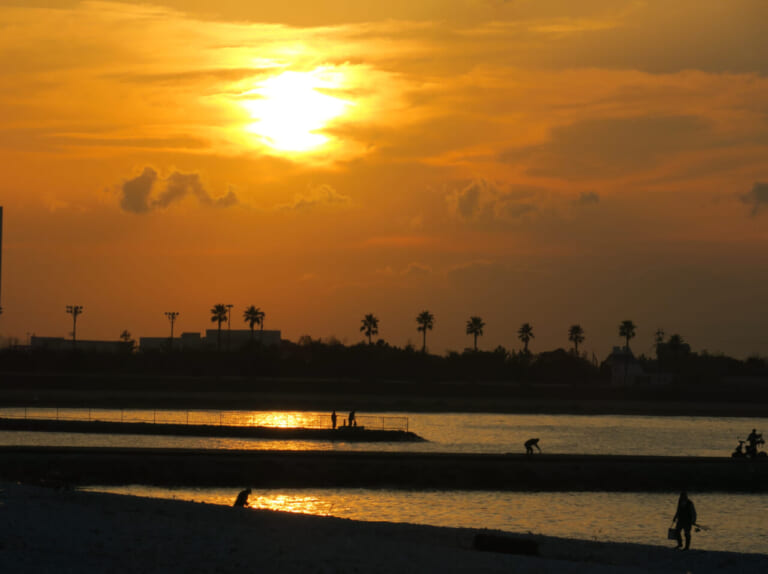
530, 443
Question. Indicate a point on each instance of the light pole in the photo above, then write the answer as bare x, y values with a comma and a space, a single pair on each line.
229, 324
172, 318
74, 310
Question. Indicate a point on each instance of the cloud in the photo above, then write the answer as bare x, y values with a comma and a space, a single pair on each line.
416, 269
315, 197
757, 198
137, 193
611, 147
484, 202
587, 198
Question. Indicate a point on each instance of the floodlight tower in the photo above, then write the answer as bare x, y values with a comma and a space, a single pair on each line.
74, 310
172, 318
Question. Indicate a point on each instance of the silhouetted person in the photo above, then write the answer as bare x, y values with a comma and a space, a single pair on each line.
242, 498
685, 517
333, 419
739, 451
530, 443
753, 440
352, 421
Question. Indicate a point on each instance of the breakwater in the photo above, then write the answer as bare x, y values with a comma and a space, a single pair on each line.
347, 434
319, 469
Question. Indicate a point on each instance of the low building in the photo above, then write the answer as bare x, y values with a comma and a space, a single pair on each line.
236, 339
186, 342
625, 369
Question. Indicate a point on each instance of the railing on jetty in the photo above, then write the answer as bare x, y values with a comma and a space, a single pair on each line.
271, 419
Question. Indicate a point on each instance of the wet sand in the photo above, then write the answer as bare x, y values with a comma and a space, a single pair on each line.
45, 530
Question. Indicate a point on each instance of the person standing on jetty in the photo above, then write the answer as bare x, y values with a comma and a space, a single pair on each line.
352, 421
333, 419
686, 518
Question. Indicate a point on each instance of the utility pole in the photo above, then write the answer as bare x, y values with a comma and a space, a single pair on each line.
172, 318
74, 310
229, 325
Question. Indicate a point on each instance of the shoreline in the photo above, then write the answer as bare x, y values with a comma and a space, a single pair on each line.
75, 531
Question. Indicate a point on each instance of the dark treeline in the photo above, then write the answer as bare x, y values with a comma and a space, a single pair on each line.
311, 358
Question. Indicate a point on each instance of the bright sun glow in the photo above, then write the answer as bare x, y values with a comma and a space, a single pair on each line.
291, 109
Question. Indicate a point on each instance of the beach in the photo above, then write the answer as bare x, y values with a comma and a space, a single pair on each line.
55, 530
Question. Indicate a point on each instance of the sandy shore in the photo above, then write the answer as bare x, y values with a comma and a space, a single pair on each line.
44, 530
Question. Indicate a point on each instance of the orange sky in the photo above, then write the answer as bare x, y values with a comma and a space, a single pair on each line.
550, 162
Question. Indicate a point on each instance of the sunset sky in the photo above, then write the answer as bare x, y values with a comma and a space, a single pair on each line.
551, 162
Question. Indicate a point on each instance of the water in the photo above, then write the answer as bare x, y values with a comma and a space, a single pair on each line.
736, 522
446, 432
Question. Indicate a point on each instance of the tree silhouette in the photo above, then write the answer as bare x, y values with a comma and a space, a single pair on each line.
126, 338
627, 330
370, 326
219, 314
426, 321
254, 316
525, 334
576, 336
475, 327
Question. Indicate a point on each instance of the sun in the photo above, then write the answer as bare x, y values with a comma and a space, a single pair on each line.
291, 109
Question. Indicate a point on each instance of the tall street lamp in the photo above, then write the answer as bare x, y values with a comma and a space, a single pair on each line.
172, 318
74, 310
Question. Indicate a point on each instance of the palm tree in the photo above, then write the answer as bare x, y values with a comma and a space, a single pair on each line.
426, 320
525, 334
627, 330
576, 336
253, 316
370, 326
219, 314
475, 327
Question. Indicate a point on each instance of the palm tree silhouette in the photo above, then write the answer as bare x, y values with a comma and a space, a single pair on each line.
475, 327
627, 330
426, 321
576, 336
219, 314
254, 316
525, 334
370, 326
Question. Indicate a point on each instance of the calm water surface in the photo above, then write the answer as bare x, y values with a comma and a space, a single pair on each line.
445, 432
736, 522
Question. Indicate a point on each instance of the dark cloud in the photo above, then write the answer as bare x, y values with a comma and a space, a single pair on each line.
484, 202
416, 269
608, 147
137, 192
757, 198
316, 196
587, 198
